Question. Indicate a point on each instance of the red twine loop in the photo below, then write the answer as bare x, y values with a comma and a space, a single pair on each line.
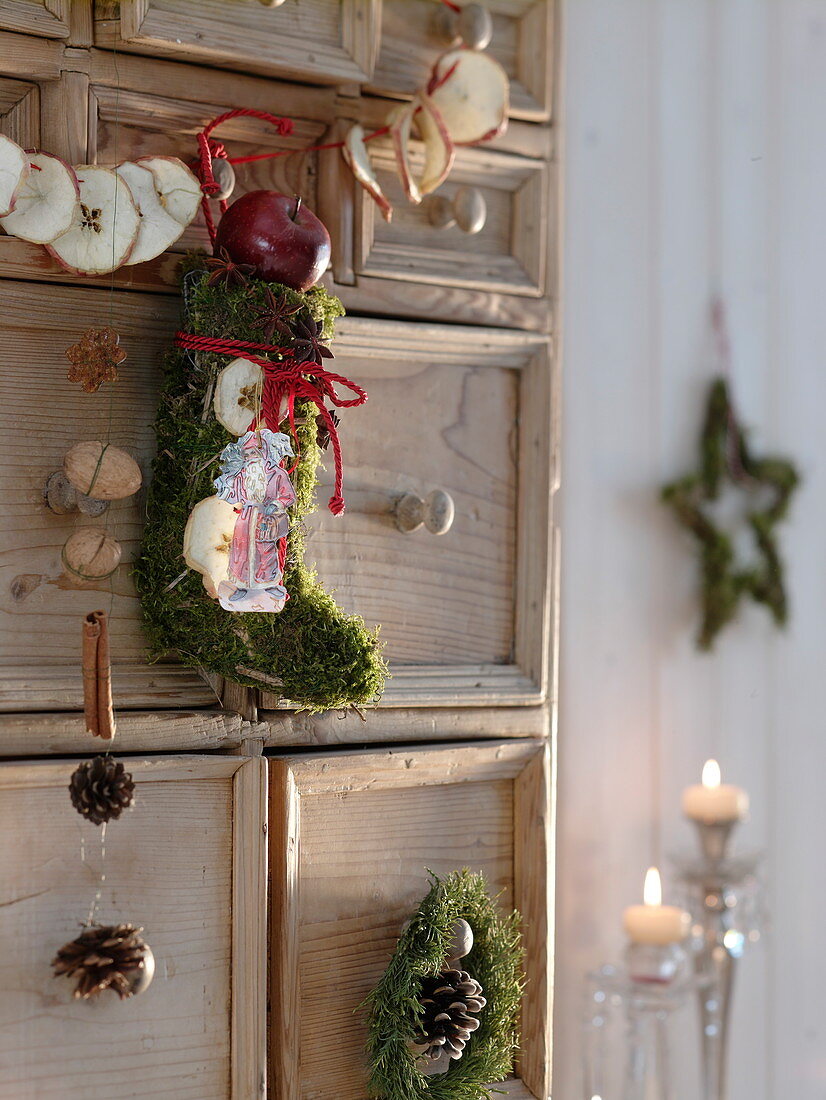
287, 382
208, 149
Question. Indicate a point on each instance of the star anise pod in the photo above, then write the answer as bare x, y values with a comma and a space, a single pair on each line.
273, 316
95, 358
308, 347
224, 271
322, 435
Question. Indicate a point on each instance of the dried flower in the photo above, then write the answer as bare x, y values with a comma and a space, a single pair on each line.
308, 347
224, 271
274, 315
95, 358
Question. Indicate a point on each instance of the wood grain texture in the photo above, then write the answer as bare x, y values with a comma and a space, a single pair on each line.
363, 827
47, 734
44, 18
65, 125
412, 724
249, 931
169, 868
41, 616
412, 36
20, 111
30, 58
330, 41
509, 254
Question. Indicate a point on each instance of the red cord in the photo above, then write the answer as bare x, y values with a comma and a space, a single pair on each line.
451, 5
292, 381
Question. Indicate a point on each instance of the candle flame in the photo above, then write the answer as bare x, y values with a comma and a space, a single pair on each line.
711, 774
652, 891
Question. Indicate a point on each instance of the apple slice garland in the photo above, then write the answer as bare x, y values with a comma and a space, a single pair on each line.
93, 219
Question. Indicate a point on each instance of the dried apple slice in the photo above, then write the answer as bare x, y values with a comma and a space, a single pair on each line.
355, 154
158, 229
104, 227
207, 540
14, 169
46, 203
438, 148
238, 395
178, 189
471, 91
400, 123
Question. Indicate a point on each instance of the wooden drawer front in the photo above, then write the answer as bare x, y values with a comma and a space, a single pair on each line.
352, 838
183, 864
45, 18
509, 255
42, 415
20, 111
412, 38
128, 123
464, 614
326, 41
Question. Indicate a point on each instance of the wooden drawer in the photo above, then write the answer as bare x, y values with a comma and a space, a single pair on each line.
323, 41
130, 119
45, 18
412, 36
188, 863
352, 838
465, 615
508, 256
43, 414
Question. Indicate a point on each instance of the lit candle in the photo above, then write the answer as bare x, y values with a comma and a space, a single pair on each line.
713, 803
652, 922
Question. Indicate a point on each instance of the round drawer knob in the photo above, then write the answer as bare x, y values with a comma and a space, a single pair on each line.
435, 513
271, 3
472, 25
467, 209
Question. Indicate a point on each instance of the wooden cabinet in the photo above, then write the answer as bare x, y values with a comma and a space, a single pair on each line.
352, 836
188, 864
320, 41
453, 337
413, 32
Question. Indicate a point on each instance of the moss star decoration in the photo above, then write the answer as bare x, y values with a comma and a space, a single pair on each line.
95, 358
724, 454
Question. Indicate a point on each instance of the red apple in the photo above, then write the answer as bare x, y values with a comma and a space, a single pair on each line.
283, 240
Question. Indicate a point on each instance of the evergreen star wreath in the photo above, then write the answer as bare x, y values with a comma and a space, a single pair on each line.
312, 654
724, 453
495, 961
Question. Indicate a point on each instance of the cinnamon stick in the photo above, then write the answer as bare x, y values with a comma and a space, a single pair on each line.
97, 677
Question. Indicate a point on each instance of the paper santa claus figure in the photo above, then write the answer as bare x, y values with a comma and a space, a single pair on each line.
254, 481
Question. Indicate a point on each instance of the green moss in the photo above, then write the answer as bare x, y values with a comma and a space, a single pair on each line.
393, 1006
322, 658
724, 453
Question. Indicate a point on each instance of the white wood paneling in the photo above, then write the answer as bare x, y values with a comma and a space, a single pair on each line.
696, 164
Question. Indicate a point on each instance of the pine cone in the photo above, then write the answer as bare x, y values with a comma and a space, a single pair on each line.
101, 789
107, 957
451, 1002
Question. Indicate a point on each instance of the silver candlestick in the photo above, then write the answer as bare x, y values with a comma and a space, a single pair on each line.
721, 895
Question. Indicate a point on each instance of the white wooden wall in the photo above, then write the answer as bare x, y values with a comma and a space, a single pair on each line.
696, 163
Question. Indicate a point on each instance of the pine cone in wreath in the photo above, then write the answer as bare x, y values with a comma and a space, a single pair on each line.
101, 789
451, 1002
107, 957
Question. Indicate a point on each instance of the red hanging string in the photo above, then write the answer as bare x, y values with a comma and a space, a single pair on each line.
285, 383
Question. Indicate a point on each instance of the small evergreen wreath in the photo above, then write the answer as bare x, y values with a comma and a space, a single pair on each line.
394, 1005
314, 654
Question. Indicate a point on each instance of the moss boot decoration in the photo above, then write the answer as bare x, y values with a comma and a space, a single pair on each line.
311, 653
